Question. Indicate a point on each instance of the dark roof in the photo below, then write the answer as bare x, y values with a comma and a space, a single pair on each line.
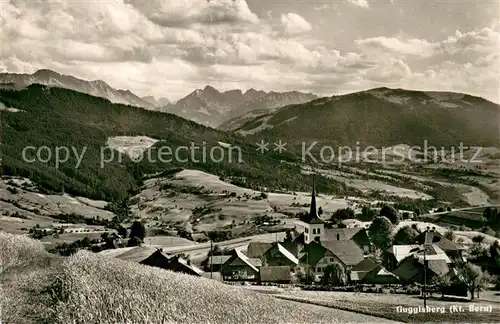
238, 258
179, 264
343, 233
347, 251
440, 240
300, 239
157, 259
366, 265
408, 269
258, 249
218, 259
275, 274
439, 267
175, 263
379, 275
412, 268
312, 253
278, 247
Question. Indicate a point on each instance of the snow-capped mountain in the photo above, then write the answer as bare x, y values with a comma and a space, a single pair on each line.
212, 108
96, 88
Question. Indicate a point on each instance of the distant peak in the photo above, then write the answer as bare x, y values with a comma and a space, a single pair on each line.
233, 91
45, 72
210, 88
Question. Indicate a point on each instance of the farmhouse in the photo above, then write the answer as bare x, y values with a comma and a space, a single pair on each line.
412, 269
240, 267
319, 255
215, 262
452, 250
370, 272
172, 263
277, 255
258, 249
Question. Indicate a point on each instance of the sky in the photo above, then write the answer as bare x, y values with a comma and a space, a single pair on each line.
168, 48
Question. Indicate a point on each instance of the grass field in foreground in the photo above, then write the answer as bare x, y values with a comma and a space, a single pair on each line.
385, 306
91, 288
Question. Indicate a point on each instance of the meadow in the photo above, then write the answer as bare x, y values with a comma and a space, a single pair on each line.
385, 306
89, 288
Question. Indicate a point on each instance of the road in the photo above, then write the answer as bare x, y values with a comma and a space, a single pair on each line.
459, 209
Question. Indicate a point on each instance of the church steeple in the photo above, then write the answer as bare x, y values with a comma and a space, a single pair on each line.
313, 211
312, 217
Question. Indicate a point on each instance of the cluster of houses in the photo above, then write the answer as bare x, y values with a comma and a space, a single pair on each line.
314, 246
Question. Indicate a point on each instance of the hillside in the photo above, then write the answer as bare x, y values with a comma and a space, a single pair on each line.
89, 126
382, 117
212, 108
96, 88
89, 288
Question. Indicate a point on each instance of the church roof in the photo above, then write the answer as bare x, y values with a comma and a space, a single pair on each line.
312, 217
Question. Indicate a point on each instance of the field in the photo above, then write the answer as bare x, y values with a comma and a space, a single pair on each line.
89, 288
385, 306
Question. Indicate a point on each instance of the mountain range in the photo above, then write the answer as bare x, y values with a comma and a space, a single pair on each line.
379, 117
212, 108
205, 106
96, 88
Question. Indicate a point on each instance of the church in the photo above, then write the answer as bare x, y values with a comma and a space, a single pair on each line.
319, 245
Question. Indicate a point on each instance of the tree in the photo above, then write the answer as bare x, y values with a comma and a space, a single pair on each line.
341, 214
417, 212
335, 275
440, 210
138, 230
478, 238
449, 235
122, 231
367, 214
495, 257
288, 237
305, 275
134, 241
443, 282
448, 209
474, 278
391, 213
380, 232
320, 211
405, 235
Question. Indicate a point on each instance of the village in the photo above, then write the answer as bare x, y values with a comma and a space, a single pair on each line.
316, 255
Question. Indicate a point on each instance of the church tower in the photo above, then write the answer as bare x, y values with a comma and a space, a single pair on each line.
314, 227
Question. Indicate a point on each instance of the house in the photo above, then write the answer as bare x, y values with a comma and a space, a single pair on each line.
379, 276
179, 264
173, 263
412, 268
357, 234
256, 250
361, 269
241, 267
277, 255
449, 247
275, 274
397, 253
215, 262
319, 255
157, 259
